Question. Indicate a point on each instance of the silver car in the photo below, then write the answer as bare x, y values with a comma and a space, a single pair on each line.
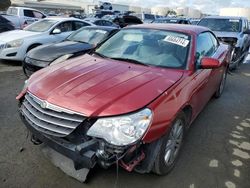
15, 44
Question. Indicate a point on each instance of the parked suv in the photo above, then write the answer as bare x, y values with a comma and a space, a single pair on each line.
231, 30
27, 15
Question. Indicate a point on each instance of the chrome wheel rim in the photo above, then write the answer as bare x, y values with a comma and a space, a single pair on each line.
174, 142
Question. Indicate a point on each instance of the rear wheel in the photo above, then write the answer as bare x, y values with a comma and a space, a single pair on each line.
221, 87
170, 147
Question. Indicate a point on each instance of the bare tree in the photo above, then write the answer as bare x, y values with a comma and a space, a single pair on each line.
4, 4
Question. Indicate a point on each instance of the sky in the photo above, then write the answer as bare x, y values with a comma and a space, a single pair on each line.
206, 6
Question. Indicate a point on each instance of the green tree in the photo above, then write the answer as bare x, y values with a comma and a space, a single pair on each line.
4, 4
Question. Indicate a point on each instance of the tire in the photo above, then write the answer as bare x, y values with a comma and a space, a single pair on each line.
235, 65
171, 146
221, 87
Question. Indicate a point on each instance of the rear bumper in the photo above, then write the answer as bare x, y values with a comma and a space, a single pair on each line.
82, 155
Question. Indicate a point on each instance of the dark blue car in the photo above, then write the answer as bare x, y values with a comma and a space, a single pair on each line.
78, 43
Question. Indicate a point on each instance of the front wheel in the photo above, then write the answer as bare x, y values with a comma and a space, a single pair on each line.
170, 147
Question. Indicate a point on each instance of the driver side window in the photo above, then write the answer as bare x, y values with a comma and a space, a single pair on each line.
204, 46
65, 26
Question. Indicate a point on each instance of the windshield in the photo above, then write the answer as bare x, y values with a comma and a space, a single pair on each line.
225, 25
149, 47
91, 36
41, 26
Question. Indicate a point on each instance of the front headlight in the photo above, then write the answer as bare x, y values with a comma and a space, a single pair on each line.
14, 43
61, 59
25, 86
122, 130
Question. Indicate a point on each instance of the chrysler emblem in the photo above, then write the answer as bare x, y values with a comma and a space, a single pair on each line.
43, 104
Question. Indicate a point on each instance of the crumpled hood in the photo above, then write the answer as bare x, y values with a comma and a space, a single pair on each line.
226, 34
16, 34
50, 52
101, 87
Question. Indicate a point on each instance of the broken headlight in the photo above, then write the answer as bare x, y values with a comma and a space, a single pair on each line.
122, 130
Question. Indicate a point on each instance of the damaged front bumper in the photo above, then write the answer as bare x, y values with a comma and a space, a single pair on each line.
89, 153
66, 133
83, 155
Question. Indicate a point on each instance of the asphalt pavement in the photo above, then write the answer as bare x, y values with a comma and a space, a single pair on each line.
216, 153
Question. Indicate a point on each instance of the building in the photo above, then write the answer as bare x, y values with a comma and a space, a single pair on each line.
188, 12
244, 12
50, 6
81, 6
161, 11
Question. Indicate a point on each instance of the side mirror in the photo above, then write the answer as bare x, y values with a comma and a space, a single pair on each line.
56, 31
209, 63
247, 32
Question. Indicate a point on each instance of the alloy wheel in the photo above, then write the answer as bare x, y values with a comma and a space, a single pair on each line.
174, 142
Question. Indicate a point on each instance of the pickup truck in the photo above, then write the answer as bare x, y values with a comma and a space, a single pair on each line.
22, 16
232, 30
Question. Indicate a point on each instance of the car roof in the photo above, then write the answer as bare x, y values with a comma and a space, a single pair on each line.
63, 19
184, 28
225, 17
172, 19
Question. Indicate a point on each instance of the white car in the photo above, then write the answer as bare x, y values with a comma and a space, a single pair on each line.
15, 44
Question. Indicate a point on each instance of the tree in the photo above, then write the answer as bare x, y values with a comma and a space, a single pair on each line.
171, 13
4, 4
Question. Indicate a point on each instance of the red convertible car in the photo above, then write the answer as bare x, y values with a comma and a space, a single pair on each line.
131, 101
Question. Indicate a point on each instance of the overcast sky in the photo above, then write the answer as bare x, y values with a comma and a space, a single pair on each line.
206, 6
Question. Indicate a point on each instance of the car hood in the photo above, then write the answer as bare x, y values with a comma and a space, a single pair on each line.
101, 87
52, 51
16, 34
226, 34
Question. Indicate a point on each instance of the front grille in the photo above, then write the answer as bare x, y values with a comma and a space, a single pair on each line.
2, 46
52, 122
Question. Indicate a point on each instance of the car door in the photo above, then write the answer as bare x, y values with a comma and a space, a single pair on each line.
201, 77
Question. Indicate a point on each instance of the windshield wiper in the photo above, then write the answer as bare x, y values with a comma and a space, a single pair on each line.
101, 55
75, 41
80, 41
129, 60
